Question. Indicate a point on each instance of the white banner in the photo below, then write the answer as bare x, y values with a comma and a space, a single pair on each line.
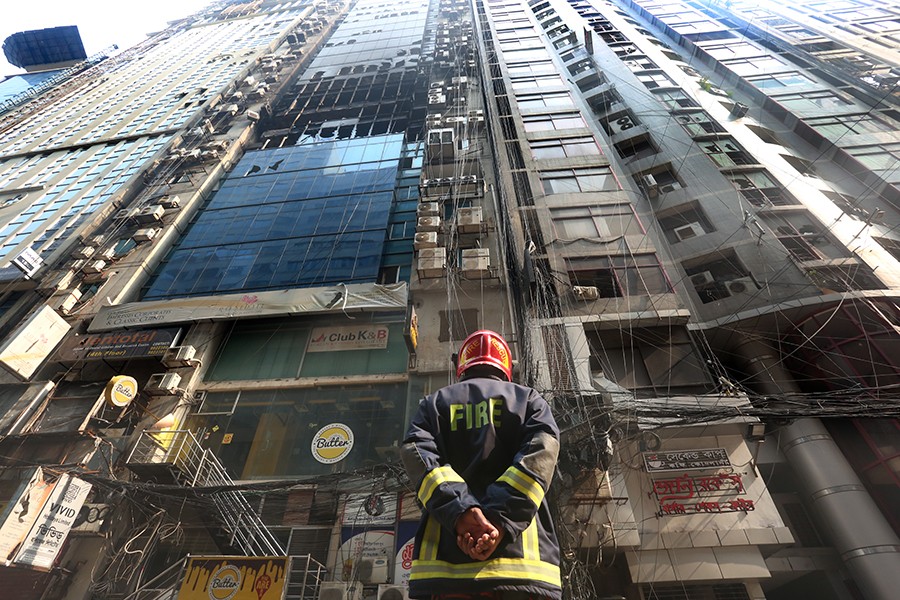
333, 299
50, 530
22, 511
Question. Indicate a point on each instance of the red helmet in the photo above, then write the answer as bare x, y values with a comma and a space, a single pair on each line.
484, 348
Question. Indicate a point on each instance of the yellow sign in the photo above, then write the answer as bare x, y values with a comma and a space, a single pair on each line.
121, 390
234, 578
332, 443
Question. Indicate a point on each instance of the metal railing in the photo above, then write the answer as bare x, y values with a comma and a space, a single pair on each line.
193, 466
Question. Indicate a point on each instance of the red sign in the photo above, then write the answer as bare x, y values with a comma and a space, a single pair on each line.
704, 494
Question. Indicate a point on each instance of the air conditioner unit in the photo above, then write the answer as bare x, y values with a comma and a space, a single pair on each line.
425, 239
179, 356
253, 115
237, 96
428, 224
145, 235
651, 187
84, 252
372, 570
441, 144
468, 220
107, 253
691, 230
742, 285
338, 590
428, 209
702, 279
475, 263
66, 301
151, 214
169, 201
95, 266
122, 214
90, 519
392, 592
163, 384
586, 292
208, 127
94, 241
432, 262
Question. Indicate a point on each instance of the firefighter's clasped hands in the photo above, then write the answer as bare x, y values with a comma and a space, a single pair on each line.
476, 535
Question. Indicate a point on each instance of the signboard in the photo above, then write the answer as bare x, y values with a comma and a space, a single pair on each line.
31, 342
411, 331
336, 299
686, 460
375, 546
370, 509
28, 261
121, 345
21, 512
234, 578
120, 390
53, 523
706, 494
332, 443
360, 337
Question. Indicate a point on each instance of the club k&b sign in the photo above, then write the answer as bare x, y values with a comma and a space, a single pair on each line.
356, 337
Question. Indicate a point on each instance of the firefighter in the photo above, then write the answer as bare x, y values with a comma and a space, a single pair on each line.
481, 453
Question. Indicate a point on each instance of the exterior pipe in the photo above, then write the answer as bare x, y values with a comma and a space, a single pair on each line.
858, 530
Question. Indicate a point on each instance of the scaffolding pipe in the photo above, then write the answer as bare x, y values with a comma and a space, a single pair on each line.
858, 530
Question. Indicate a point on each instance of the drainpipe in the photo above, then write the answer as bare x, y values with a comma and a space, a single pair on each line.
858, 530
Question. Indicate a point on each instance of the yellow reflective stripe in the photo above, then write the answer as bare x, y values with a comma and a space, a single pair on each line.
524, 483
504, 568
430, 539
530, 547
434, 478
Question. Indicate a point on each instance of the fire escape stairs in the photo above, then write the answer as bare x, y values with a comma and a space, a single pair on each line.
177, 457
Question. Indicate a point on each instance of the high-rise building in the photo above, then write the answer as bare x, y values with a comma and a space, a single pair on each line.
233, 258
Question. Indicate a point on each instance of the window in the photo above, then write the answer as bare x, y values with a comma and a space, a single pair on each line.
698, 123
675, 99
636, 148
878, 156
557, 121
655, 80
732, 50
618, 276
891, 245
819, 100
756, 65
844, 278
563, 148
541, 82
836, 126
547, 100
685, 224
590, 179
718, 278
760, 189
651, 361
529, 68
604, 222
767, 82
726, 153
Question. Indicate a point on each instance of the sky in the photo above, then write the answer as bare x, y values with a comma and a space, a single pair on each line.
100, 22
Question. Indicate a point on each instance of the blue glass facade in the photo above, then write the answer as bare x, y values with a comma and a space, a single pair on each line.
301, 216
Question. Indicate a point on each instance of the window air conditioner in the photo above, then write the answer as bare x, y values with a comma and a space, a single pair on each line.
339, 590
84, 252
651, 187
425, 239
468, 220
163, 384
476, 263
94, 241
432, 262
585, 292
96, 266
179, 356
393, 592
702, 279
742, 285
253, 115
151, 214
145, 235
691, 230
428, 224
66, 301
169, 201
372, 570
427, 209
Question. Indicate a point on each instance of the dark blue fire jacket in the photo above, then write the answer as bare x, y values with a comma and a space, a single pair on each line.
492, 444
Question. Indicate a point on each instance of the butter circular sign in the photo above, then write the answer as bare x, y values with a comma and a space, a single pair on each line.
121, 390
332, 443
225, 583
